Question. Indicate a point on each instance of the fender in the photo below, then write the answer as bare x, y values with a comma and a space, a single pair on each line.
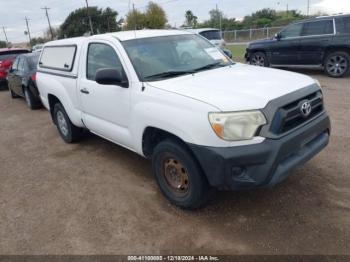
64, 90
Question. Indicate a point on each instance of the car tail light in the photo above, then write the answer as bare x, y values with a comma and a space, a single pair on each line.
33, 77
5, 64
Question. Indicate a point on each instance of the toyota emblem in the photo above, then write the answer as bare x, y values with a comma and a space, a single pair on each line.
305, 108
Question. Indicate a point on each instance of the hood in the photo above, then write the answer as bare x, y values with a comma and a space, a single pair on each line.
235, 88
263, 41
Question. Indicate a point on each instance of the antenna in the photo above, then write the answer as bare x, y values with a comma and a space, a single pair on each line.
88, 14
135, 18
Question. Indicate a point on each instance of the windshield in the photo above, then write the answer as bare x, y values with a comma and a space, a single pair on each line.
170, 56
211, 35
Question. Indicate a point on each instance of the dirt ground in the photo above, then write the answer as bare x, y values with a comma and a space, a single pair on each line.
98, 198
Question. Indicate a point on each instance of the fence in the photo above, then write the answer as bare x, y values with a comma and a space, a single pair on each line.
248, 35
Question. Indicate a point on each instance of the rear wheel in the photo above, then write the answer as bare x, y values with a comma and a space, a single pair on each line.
259, 59
337, 64
67, 130
179, 176
30, 99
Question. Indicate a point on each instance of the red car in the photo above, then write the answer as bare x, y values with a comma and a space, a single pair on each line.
7, 56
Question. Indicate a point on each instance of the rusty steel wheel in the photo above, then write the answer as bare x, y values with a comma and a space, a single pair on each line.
179, 176
176, 176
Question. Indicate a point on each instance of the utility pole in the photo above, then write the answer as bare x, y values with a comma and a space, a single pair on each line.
308, 7
48, 20
30, 39
3, 29
88, 14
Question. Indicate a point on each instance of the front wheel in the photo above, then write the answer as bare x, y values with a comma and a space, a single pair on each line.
67, 130
179, 176
337, 64
259, 59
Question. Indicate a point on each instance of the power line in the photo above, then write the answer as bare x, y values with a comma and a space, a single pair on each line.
48, 20
88, 13
30, 39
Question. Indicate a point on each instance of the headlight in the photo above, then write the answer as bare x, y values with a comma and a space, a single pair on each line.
318, 83
238, 125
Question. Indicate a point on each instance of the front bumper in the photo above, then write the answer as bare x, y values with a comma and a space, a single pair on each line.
265, 164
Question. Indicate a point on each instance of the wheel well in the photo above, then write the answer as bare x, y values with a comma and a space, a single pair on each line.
335, 49
153, 136
52, 101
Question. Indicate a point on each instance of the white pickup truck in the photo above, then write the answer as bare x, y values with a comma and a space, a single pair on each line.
171, 96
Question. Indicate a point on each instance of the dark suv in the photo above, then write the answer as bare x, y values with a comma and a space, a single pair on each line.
322, 42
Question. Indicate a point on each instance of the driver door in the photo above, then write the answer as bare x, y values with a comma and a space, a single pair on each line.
286, 49
105, 108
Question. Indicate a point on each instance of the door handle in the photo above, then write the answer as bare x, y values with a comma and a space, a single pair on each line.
85, 91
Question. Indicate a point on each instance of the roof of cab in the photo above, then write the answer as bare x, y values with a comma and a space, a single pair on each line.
121, 36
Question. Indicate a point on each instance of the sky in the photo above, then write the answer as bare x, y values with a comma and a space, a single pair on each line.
13, 12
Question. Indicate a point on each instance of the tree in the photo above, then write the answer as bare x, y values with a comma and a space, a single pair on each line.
77, 23
3, 44
55, 32
217, 17
135, 20
155, 16
191, 19
270, 17
38, 40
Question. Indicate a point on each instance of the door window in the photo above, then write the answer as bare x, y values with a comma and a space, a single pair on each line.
211, 35
292, 31
102, 56
343, 25
21, 65
324, 27
15, 64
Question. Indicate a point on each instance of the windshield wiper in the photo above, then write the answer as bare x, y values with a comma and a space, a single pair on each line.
168, 74
209, 66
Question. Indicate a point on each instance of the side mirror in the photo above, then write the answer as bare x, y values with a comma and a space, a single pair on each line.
110, 76
278, 36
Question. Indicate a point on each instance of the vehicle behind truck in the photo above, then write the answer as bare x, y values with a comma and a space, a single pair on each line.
204, 122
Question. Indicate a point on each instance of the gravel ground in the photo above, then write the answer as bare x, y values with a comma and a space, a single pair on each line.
98, 198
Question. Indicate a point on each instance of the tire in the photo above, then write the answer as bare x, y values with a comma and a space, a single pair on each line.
67, 130
30, 99
13, 94
179, 176
259, 59
337, 64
